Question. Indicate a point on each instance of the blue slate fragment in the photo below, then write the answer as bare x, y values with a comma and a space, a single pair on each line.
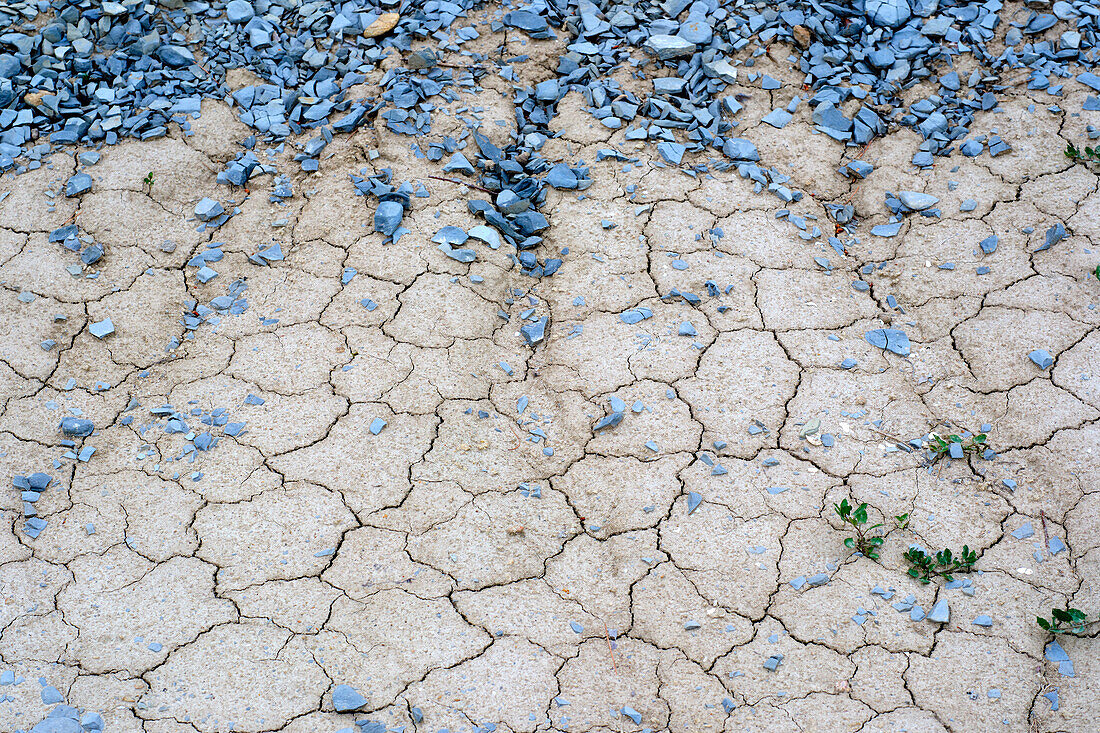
207, 209
635, 315
1042, 358
1054, 235
346, 699
940, 613
694, 500
1090, 80
51, 695
983, 621
889, 339
376, 425
886, 230
633, 714
989, 244
916, 201
388, 217
102, 329
888, 13
77, 427
535, 331
1023, 532
79, 184
1055, 653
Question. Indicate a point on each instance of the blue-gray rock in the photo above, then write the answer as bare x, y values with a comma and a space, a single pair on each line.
669, 47
91, 722
510, 203
9, 66
92, 254
175, 56
739, 148
858, 168
239, 11
971, 148
526, 20
696, 31
79, 184
535, 332
889, 339
721, 69
459, 164
547, 91
1042, 358
77, 426
916, 201
888, 13
208, 209
668, 85
346, 699
388, 217
940, 613
57, 725
561, 176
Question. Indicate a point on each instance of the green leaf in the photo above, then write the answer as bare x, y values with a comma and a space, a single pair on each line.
914, 572
876, 541
980, 438
849, 543
1060, 615
955, 438
1043, 623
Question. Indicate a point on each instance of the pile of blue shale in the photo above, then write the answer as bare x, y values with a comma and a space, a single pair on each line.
94, 72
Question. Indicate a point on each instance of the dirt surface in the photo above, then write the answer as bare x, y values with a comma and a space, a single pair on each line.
447, 563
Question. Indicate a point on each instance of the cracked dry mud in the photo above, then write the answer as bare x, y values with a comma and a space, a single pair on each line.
451, 588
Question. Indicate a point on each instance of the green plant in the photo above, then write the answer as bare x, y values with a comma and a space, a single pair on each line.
941, 446
856, 517
148, 181
1096, 272
1088, 155
924, 567
1070, 621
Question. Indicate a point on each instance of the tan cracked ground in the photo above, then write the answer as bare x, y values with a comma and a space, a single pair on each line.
446, 585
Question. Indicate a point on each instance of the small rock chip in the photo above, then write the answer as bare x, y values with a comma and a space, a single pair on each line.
208, 209
1042, 358
917, 201
346, 699
102, 329
889, 339
77, 427
79, 184
940, 613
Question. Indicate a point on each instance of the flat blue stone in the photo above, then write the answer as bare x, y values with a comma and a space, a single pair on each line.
889, 339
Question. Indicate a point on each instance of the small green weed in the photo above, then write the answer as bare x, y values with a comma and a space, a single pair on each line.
148, 181
924, 567
1070, 621
856, 517
941, 445
1096, 272
1088, 155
